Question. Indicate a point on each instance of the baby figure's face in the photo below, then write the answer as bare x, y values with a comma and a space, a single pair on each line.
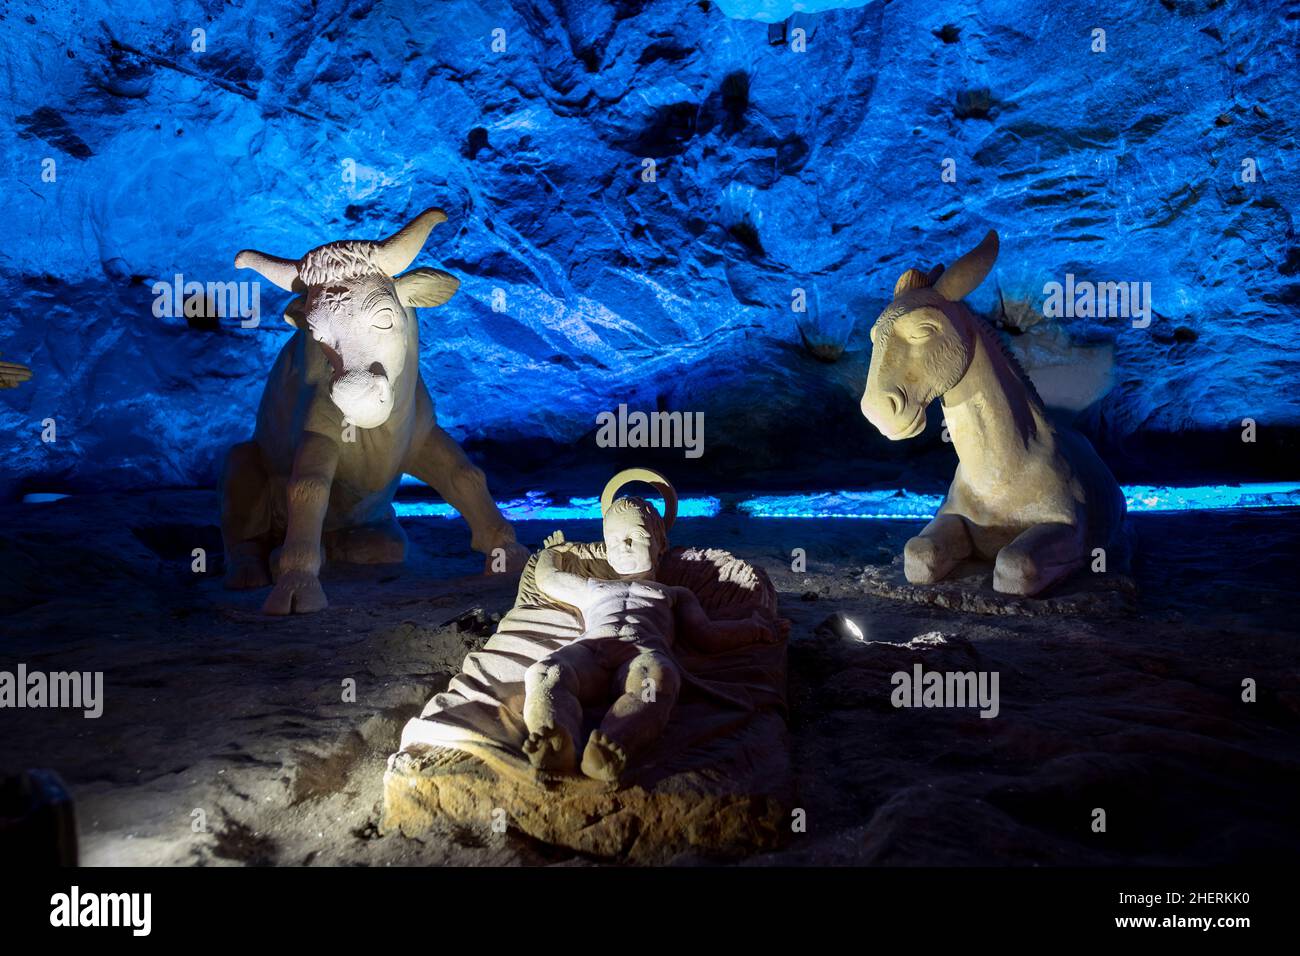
630, 547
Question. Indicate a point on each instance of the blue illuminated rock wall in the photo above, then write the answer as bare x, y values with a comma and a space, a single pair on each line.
774, 170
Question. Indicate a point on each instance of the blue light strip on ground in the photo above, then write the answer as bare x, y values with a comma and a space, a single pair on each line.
887, 505
536, 506
905, 505
1273, 494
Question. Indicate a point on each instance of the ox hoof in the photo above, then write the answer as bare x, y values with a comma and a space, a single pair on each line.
368, 544
297, 592
246, 575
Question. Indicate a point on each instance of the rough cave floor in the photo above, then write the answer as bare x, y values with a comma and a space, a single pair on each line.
212, 707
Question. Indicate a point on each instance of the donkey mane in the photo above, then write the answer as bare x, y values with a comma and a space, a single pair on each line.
992, 335
983, 327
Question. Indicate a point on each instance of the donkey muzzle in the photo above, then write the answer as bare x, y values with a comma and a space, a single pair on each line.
891, 413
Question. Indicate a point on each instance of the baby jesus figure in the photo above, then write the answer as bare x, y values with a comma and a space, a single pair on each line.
629, 627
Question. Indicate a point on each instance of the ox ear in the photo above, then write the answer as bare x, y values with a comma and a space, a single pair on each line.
969, 271
295, 313
425, 287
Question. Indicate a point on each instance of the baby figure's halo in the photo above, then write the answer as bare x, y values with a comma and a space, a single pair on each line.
649, 477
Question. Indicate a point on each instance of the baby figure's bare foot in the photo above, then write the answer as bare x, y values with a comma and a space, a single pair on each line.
603, 759
551, 748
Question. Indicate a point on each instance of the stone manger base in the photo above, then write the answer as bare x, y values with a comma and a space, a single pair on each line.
726, 799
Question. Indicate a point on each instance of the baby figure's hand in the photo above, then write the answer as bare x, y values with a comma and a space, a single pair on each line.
771, 629
555, 538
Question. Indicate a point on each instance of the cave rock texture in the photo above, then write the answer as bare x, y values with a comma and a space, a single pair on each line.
790, 152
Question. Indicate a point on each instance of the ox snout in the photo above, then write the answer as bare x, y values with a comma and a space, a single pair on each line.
364, 398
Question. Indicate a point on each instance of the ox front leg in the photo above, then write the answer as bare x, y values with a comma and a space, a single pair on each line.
245, 521
298, 589
441, 464
934, 552
1038, 558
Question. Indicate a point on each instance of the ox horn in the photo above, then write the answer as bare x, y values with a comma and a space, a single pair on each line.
399, 250
283, 272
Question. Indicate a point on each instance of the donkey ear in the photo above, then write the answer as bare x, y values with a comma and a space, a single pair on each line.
295, 313
969, 271
909, 280
426, 287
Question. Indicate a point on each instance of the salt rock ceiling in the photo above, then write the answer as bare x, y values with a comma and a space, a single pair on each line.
586, 286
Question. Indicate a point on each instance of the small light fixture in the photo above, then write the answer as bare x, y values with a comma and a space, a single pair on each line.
842, 626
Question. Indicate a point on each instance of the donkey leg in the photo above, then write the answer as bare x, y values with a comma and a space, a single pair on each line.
297, 588
936, 550
244, 517
1038, 558
441, 464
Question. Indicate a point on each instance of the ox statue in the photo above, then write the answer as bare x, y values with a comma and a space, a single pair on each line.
1030, 495
344, 414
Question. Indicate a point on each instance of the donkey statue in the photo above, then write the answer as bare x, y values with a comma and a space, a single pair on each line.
1032, 496
344, 414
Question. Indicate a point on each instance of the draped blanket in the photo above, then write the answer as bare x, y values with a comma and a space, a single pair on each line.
481, 711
